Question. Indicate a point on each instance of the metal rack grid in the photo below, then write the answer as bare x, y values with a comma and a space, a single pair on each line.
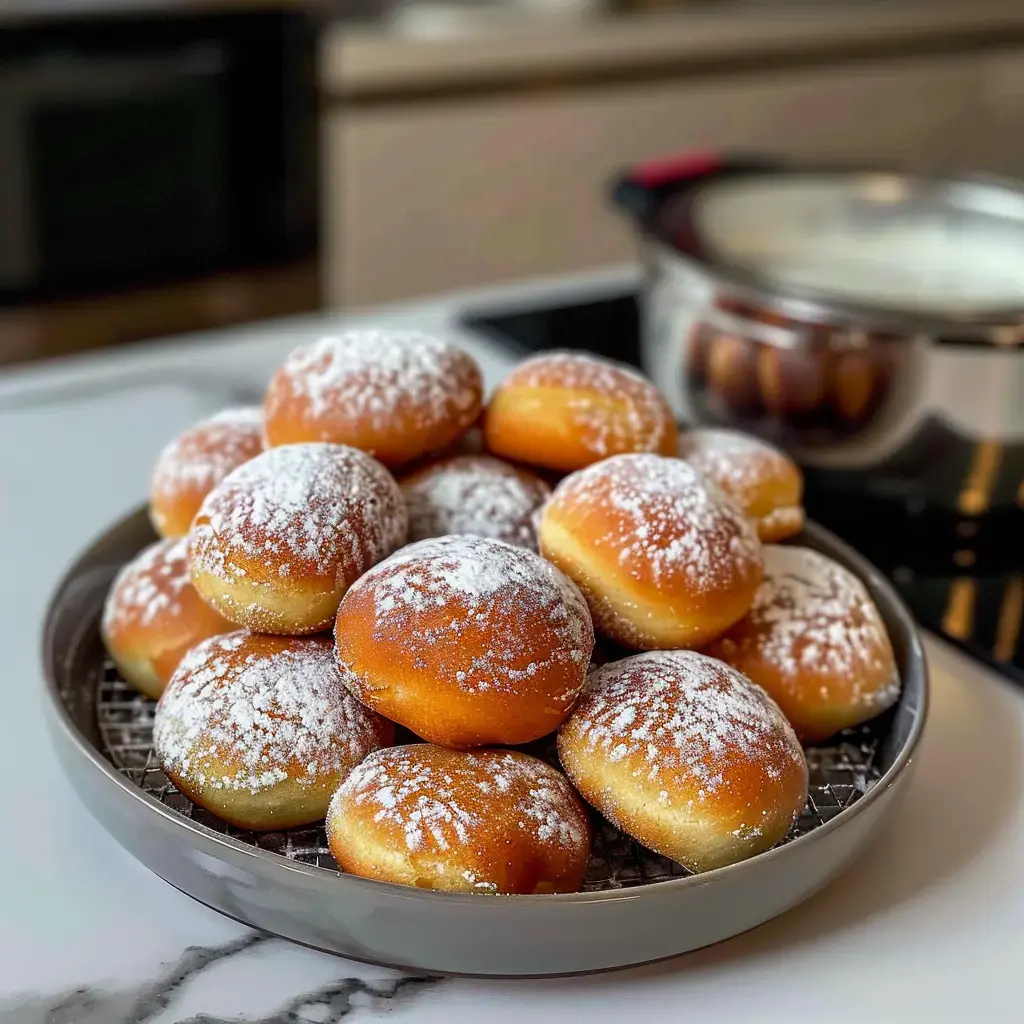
840, 773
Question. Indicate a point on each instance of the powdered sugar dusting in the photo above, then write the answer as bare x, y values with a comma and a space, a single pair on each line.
681, 717
482, 585
475, 494
273, 707
736, 462
150, 587
669, 521
310, 507
813, 615
375, 375
642, 421
440, 800
204, 454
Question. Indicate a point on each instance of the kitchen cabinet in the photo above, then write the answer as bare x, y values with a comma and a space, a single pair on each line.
459, 191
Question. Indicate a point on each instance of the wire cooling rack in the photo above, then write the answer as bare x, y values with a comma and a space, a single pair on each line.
840, 774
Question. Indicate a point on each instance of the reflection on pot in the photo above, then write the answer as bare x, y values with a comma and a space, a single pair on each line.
806, 385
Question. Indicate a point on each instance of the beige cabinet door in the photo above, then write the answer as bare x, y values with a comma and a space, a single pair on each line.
434, 196
993, 140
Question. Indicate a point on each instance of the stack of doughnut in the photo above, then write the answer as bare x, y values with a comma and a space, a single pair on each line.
376, 548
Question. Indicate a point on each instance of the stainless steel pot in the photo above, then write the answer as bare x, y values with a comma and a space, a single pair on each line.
832, 311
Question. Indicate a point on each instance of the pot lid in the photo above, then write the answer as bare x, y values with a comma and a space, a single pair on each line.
925, 248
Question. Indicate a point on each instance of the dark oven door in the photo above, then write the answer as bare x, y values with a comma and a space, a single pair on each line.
147, 149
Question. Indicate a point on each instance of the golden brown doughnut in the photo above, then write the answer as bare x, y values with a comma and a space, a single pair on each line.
278, 541
466, 641
475, 494
482, 821
815, 641
196, 461
566, 410
664, 559
398, 395
260, 731
763, 481
153, 616
794, 382
732, 374
687, 756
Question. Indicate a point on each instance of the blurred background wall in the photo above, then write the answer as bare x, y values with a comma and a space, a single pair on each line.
170, 165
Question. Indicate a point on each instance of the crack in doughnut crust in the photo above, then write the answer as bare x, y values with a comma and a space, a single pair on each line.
260, 731
395, 394
816, 642
466, 641
483, 821
196, 461
765, 483
566, 410
278, 542
153, 616
475, 494
686, 755
664, 559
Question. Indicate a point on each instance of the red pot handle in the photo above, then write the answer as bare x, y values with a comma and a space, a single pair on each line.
642, 189
677, 168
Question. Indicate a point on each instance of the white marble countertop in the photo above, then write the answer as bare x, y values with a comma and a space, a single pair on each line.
928, 925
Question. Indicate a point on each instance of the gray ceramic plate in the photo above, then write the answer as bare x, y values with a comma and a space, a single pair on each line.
635, 907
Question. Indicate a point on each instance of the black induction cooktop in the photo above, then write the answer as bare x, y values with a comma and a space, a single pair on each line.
962, 575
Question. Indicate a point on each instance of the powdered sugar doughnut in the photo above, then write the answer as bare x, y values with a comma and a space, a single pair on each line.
816, 642
395, 394
153, 616
664, 558
466, 641
196, 461
260, 731
764, 482
483, 821
279, 540
566, 410
475, 494
687, 756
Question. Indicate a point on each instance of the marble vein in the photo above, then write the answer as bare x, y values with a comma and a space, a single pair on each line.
144, 1003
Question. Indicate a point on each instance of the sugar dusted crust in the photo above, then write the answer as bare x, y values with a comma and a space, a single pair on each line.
196, 461
152, 616
765, 483
664, 558
566, 410
260, 730
489, 821
686, 755
467, 641
475, 494
816, 642
277, 542
395, 394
